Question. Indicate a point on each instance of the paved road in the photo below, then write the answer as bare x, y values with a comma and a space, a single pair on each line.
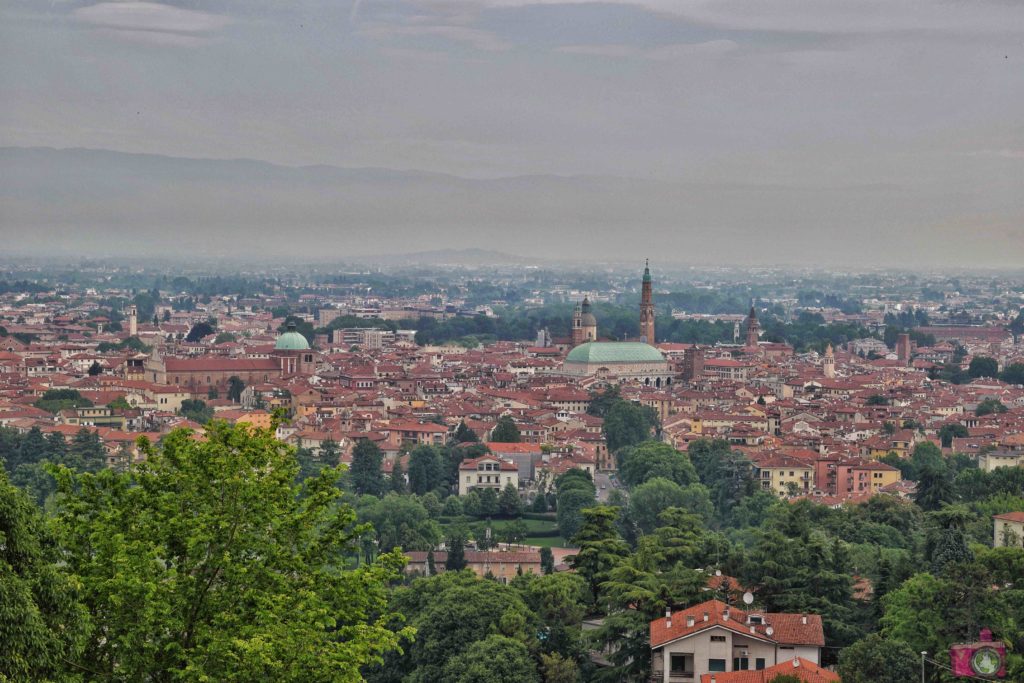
604, 484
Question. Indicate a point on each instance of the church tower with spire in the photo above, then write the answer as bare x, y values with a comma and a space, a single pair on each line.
646, 308
753, 329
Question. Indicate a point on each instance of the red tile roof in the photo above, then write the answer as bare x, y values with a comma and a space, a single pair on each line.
803, 669
1011, 516
790, 629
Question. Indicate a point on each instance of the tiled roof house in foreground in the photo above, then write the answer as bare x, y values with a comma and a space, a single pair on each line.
713, 637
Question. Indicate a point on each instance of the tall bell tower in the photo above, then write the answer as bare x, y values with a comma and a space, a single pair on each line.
646, 307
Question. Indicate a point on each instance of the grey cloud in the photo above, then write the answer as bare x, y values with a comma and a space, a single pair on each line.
151, 21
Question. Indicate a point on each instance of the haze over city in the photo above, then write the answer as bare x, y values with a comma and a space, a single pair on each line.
857, 133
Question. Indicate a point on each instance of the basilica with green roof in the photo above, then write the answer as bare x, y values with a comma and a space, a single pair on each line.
626, 361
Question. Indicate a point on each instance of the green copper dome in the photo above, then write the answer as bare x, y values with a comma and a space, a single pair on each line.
291, 341
615, 352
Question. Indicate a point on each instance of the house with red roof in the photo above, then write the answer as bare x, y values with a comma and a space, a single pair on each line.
798, 667
1008, 529
715, 638
487, 471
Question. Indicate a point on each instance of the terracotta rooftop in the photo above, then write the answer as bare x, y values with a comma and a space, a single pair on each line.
790, 629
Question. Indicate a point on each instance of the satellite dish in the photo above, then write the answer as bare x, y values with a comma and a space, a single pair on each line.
748, 598
769, 631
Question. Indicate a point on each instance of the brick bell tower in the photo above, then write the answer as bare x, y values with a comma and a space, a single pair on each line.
646, 308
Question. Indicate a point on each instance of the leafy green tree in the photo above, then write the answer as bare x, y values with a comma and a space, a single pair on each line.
934, 487
86, 452
196, 410
400, 522
464, 434
208, 562
56, 400
547, 560
601, 546
602, 401
471, 504
953, 430
627, 424
509, 502
32, 449
95, 369
496, 659
456, 543
462, 613
224, 338
983, 366
1013, 374
198, 331
426, 470
235, 388
651, 459
875, 659
799, 570
505, 431
43, 626
397, 479
488, 502
365, 472
637, 592
727, 474
910, 614
558, 669
989, 406
310, 463
650, 499
452, 507
570, 511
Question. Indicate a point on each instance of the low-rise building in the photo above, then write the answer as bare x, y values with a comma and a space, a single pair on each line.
487, 472
1008, 530
712, 638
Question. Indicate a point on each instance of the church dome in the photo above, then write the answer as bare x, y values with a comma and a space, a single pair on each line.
615, 352
291, 341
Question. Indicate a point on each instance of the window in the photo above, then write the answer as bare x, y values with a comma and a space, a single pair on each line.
740, 663
759, 663
718, 639
679, 664
716, 665
756, 619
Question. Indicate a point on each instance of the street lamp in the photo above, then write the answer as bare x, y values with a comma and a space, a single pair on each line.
923, 653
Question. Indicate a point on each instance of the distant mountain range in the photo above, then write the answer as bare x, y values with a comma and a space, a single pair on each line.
73, 202
459, 257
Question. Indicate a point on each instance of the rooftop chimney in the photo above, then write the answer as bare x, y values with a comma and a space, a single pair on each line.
668, 617
689, 621
753, 629
796, 662
705, 616
803, 618
725, 614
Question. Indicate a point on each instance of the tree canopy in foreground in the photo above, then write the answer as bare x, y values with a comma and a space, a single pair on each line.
208, 562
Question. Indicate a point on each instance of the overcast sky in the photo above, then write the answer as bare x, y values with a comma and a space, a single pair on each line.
821, 102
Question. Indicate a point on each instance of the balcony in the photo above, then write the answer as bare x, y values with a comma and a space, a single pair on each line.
681, 676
